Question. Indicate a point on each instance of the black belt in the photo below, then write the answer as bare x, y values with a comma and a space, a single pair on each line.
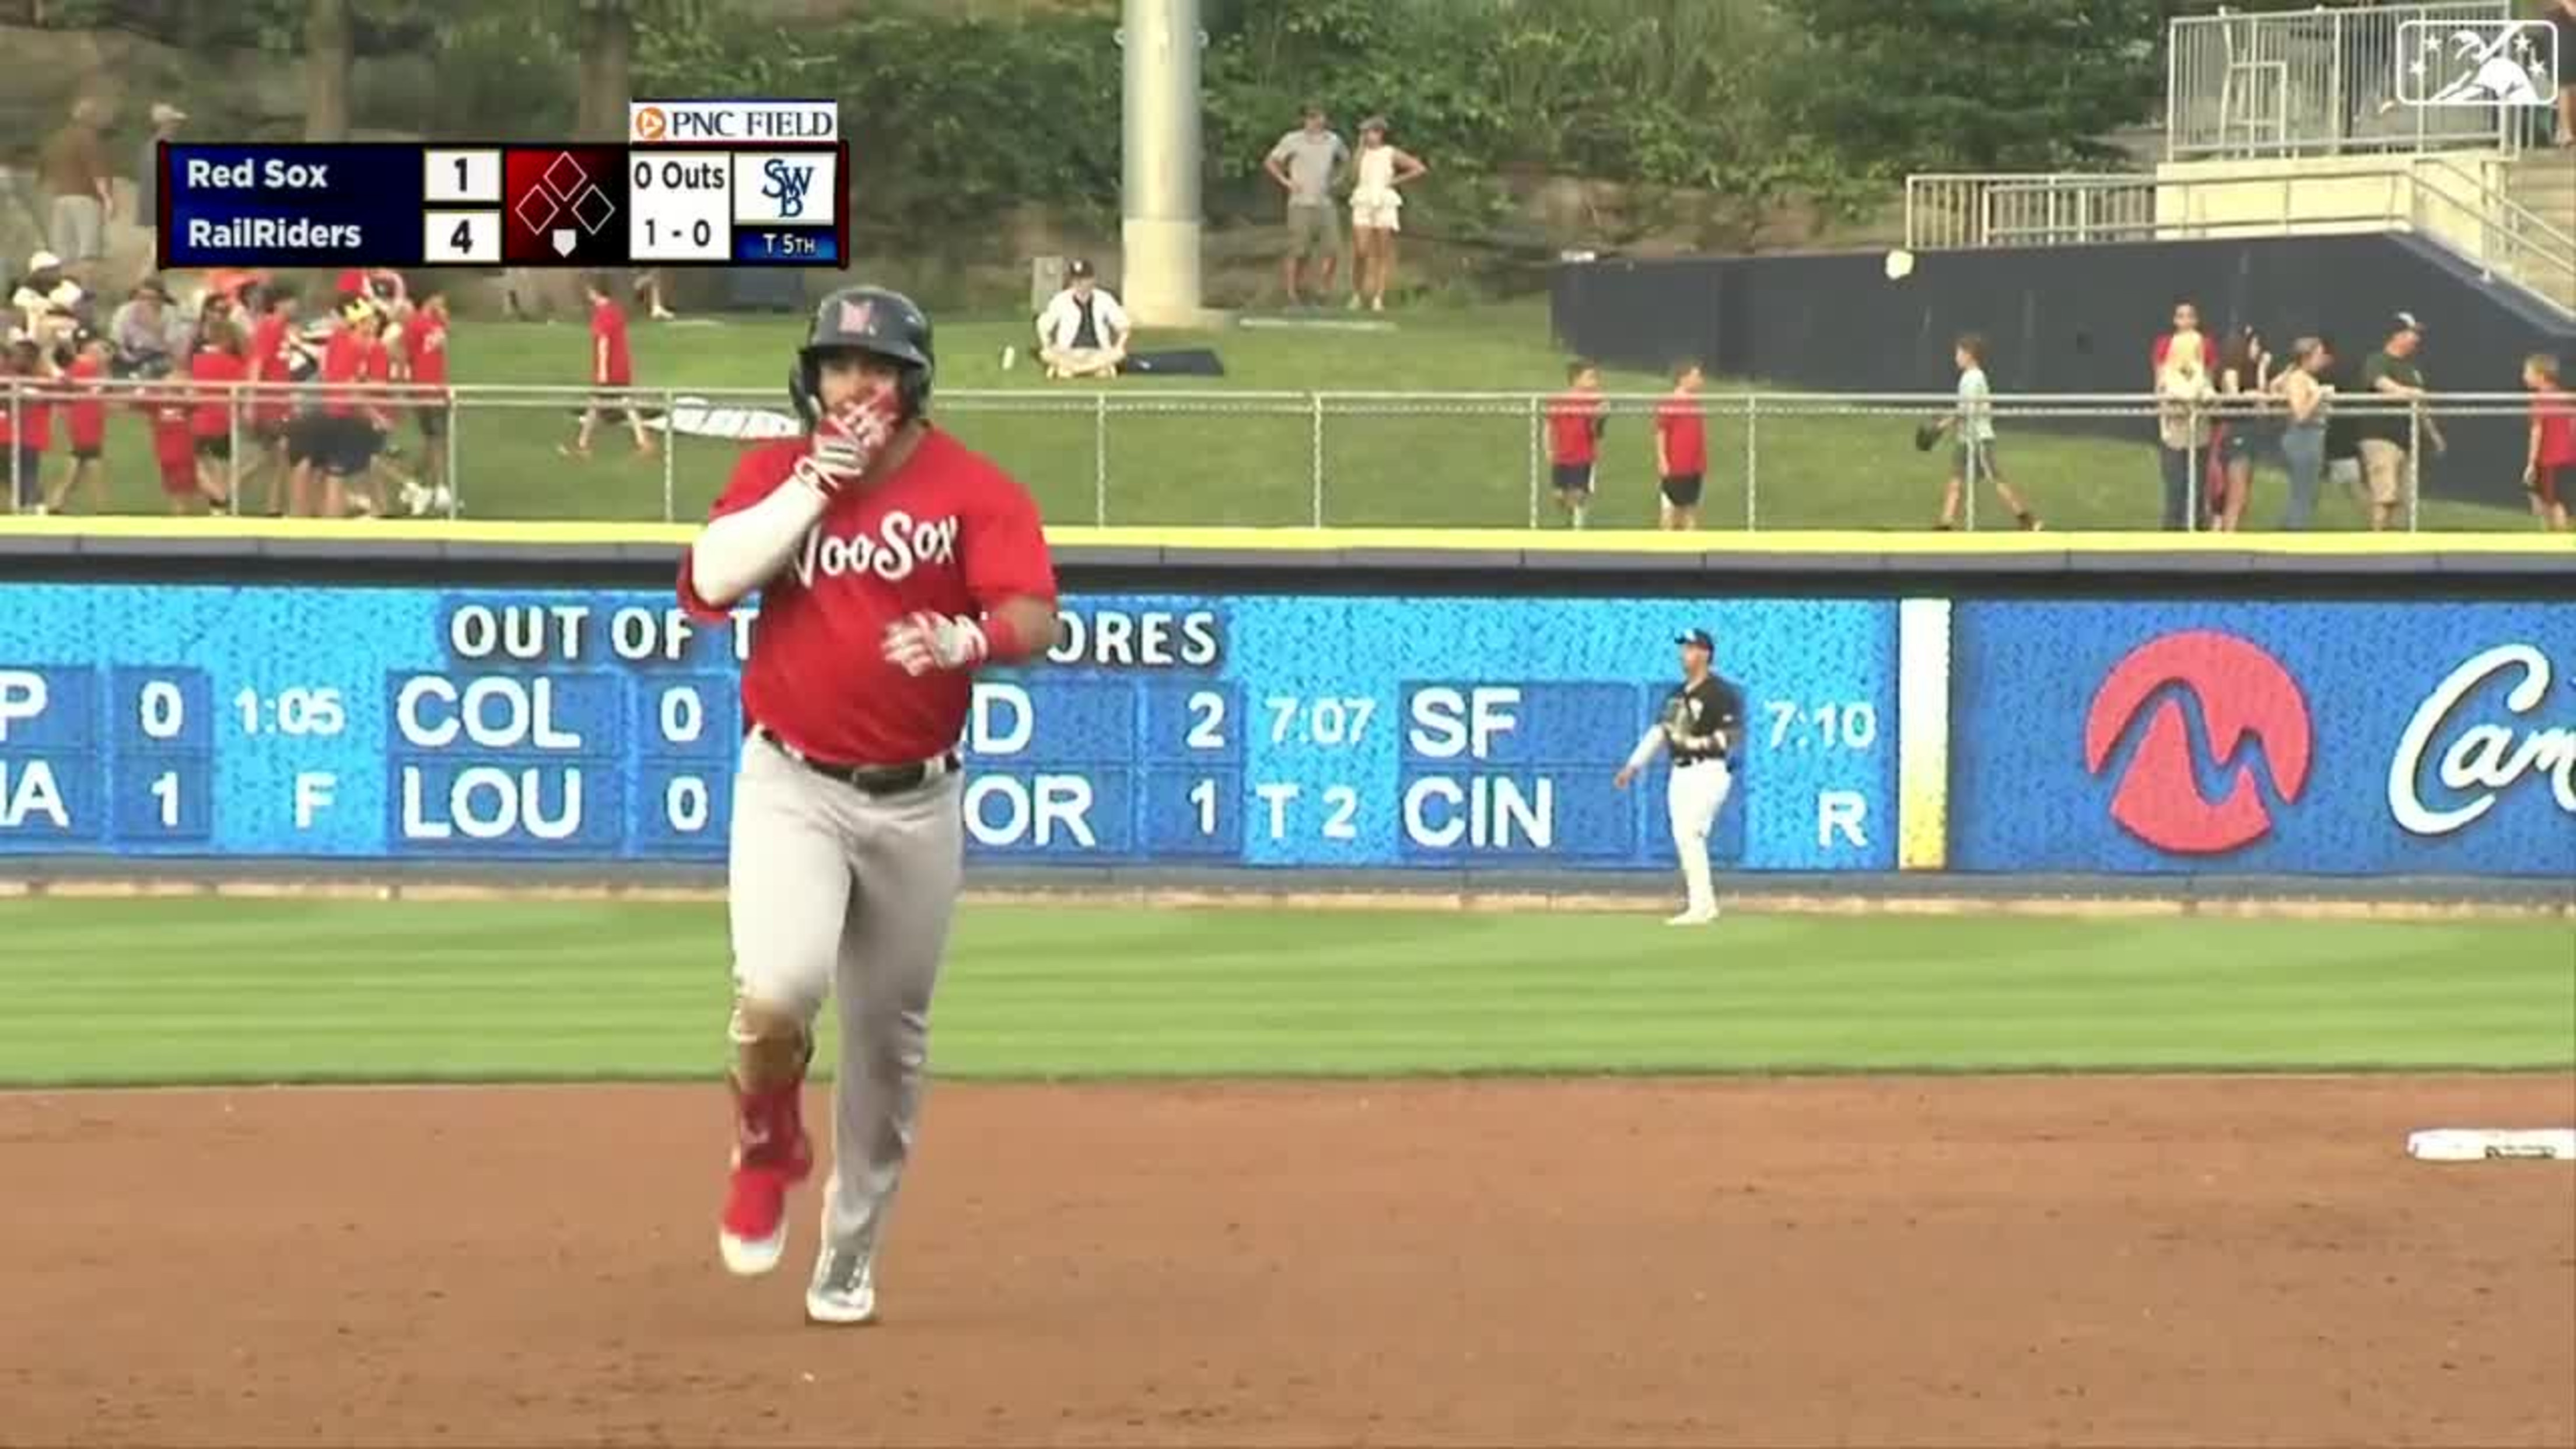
869, 779
1681, 762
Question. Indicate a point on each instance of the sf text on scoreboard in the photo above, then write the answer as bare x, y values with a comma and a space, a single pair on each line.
697, 182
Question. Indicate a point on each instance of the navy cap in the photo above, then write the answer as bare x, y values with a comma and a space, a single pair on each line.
1699, 637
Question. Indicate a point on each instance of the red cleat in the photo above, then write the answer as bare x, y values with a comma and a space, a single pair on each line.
770, 1155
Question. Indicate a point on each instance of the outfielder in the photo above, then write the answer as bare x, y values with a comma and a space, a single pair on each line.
1700, 722
891, 560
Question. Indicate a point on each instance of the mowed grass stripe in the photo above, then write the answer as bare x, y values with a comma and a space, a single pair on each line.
199, 990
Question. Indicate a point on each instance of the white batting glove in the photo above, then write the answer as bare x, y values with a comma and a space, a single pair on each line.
922, 642
845, 443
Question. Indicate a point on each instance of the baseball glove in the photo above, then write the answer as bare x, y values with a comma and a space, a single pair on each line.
1925, 435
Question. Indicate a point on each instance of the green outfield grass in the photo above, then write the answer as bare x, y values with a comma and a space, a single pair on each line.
207, 990
1253, 467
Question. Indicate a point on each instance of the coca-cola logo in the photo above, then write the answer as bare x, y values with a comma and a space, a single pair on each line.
2471, 768
2245, 698
900, 544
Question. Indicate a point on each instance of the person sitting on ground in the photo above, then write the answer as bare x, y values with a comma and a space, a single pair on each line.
1083, 331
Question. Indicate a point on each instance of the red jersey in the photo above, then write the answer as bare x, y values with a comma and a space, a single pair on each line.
425, 349
214, 367
2553, 411
88, 411
2208, 353
37, 415
949, 532
344, 359
172, 441
271, 360
616, 368
1685, 435
1571, 435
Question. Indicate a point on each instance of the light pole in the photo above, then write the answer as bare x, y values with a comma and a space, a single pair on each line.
1159, 162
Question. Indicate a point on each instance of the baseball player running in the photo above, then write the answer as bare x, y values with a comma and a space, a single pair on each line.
1700, 722
891, 561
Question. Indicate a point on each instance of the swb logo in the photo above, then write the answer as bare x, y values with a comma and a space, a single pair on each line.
786, 185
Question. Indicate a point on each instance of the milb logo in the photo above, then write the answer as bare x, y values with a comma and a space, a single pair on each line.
2245, 695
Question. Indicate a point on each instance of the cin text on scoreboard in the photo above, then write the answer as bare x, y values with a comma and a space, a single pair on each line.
728, 183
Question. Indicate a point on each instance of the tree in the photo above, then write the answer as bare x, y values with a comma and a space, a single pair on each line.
327, 59
1976, 84
603, 36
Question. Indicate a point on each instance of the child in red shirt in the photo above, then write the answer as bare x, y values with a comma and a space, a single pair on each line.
1681, 448
1576, 418
214, 367
174, 445
2549, 471
425, 366
26, 423
611, 367
85, 417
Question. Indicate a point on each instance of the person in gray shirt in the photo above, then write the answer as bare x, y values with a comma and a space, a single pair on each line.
1308, 164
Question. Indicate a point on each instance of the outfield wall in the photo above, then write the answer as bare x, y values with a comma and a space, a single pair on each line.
1436, 708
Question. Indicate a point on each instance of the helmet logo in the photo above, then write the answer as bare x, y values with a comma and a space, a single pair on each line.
859, 316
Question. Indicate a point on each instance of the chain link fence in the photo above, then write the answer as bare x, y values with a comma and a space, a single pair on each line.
1775, 460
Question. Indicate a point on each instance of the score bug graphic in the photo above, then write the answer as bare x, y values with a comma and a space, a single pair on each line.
563, 206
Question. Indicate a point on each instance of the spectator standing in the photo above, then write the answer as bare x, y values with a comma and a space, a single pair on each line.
2549, 472
612, 365
2183, 394
48, 304
2244, 380
1377, 206
166, 119
1681, 449
1576, 418
174, 444
271, 362
2387, 438
1083, 331
76, 176
425, 367
27, 422
2309, 400
1307, 163
85, 419
215, 367
1972, 432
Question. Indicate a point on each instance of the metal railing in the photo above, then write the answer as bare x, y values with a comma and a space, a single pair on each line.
1262, 459
2332, 81
2433, 196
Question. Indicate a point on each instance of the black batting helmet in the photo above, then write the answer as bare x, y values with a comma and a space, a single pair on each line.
874, 320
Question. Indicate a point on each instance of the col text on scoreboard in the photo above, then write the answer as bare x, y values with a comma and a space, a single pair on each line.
720, 183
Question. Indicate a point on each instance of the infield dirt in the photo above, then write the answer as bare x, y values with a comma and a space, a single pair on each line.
1864, 1261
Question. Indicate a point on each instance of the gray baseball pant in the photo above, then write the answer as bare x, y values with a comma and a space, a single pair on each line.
832, 890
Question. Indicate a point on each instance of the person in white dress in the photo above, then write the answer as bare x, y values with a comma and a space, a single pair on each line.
1376, 205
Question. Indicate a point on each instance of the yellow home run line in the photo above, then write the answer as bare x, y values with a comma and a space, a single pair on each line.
1322, 540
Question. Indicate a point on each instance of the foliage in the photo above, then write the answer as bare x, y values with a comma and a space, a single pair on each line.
1976, 84
954, 121
1712, 113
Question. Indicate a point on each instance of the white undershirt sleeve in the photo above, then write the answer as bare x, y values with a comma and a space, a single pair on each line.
737, 553
1647, 746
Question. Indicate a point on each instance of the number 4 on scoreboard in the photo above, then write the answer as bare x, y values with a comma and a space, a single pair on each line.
460, 238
